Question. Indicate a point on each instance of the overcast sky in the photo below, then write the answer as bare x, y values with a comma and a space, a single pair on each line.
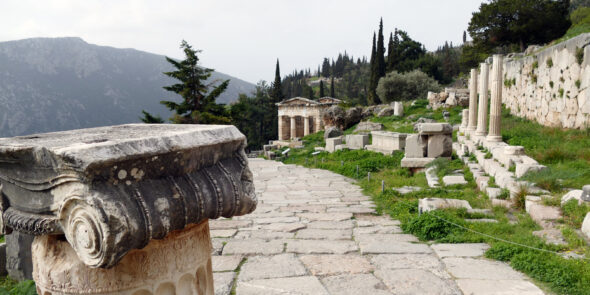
239, 38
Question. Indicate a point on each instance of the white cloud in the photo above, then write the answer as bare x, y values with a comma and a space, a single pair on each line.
240, 38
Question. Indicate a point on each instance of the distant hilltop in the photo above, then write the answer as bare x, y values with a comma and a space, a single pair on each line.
50, 84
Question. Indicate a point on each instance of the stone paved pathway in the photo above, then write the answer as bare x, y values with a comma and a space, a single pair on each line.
314, 233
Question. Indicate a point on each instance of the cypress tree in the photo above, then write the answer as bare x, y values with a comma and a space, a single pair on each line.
380, 51
332, 88
374, 78
390, 54
311, 93
321, 88
276, 93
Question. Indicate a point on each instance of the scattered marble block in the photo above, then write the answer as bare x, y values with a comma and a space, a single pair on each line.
368, 126
407, 189
439, 145
493, 192
357, 141
539, 212
429, 204
586, 194
454, 179
552, 236
415, 162
433, 128
398, 108
415, 146
522, 169
331, 144
431, 177
572, 195
482, 182
586, 225
124, 209
387, 142
501, 203
514, 150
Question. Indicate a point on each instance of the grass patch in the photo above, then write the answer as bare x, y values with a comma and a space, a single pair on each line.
9, 286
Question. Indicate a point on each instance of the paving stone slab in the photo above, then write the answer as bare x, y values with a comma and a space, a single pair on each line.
304, 208
325, 216
384, 246
483, 269
416, 281
320, 265
355, 284
321, 247
269, 220
228, 224
275, 266
223, 233
285, 227
224, 282
411, 261
264, 235
324, 234
370, 219
253, 247
331, 224
377, 230
225, 263
460, 250
493, 287
307, 285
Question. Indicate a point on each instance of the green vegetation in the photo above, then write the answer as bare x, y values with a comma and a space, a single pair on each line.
11, 287
568, 162
549, 62
580, 55
561, 91
397, 86
578, 83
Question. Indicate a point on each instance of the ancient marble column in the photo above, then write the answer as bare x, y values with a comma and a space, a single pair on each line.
494, 134
464, 119
482, 115
124, 209
293, 127
305, 126
472, 124
281, 135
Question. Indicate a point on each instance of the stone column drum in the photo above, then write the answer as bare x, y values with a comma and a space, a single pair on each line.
482, 116
464, 119
124, 209
472, 124
496, 101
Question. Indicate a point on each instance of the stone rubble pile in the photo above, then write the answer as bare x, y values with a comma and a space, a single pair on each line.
450, 97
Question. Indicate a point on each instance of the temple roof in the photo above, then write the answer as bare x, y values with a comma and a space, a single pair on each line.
306, 101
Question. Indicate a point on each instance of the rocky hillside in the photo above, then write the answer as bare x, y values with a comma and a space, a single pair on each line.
49, 84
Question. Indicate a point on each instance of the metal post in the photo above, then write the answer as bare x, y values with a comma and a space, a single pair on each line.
382, 186
369, 176
341, 163
357, 171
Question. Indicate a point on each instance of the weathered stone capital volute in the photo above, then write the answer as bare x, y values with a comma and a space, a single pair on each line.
113, 189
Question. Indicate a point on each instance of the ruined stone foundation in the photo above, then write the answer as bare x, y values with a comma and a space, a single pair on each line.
178, 264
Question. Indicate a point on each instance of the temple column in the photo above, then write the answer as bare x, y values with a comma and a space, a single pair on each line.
464, 119
280, 128
472, 123
496, 100
305, 126
482, 116
293, 127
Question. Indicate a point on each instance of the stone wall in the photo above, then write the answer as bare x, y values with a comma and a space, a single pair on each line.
551, 86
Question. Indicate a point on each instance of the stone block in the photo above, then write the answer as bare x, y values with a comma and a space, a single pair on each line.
514, 150
416, 281
454, 179
357, 141
280, 286
572, 195
493, 192
439, 146
460, 250
329, 265
3, 259
539, 212
386, 112
429, 204
415, 162
433, 128
522, 169
331, 144
355, 284
387, 142
398, 109
586, 193
275, 266
415, 146
586, 225
368, 126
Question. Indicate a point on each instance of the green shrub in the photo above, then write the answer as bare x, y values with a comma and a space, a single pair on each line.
431, 225
549, 62
10, 287
397, 86
535, 64
504, 194
488, 155
580, 15
561, 92
578, 83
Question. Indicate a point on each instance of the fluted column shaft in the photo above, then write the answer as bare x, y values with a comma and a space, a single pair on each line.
496, 101
482, 115
293, 127
281, 136
472, 124
305, 126
464, 119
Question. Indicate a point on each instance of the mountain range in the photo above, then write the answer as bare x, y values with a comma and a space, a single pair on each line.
51, 84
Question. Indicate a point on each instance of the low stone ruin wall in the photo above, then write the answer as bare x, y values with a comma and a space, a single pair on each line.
551, 86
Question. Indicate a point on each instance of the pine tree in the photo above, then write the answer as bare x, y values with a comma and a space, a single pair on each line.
198, 104
321, 88
332, 87
276, 93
